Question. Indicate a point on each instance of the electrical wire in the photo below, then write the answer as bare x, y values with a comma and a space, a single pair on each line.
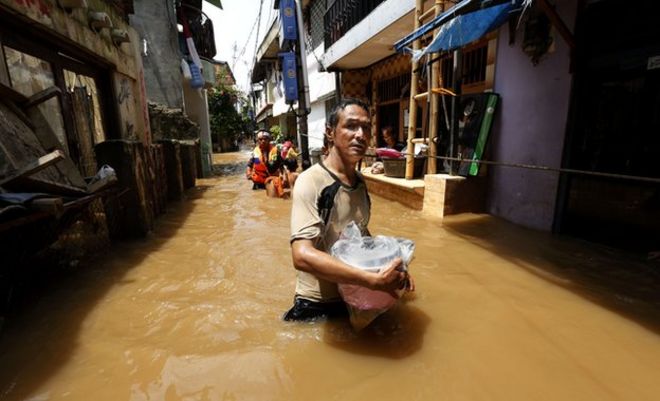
256, 41
247, 40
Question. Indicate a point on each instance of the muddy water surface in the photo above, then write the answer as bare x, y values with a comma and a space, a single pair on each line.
193, 313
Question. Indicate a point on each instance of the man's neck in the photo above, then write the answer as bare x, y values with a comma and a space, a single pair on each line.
343, 169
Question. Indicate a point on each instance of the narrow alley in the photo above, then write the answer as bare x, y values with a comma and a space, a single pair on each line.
193, 313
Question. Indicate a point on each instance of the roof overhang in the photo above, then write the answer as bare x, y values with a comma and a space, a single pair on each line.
267, 52
372, 39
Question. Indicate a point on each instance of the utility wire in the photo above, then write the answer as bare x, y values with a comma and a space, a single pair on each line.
256, 42
247, 40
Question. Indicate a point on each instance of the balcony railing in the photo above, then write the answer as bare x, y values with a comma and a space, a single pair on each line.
343, 15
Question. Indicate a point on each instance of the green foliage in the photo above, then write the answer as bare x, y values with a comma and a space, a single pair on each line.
276, 132
227, 124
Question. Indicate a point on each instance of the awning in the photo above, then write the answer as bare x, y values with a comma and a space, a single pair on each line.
464, 8
216, 3
469, 27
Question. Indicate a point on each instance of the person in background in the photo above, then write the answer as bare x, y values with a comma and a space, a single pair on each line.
390, 139
328, 196
289, 156
264, 162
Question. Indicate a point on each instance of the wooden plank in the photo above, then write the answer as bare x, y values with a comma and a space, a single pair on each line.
34, 167
9, 93
52, 206
47, 138
18, 112
4, 72
558, 23
427, 14
41, 97
412, 104
46, 186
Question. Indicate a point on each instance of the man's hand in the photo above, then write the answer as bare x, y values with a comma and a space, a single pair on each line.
392, 277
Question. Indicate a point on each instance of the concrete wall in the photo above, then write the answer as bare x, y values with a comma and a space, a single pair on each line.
321, 86
529, 127
197, 109
316, 124
156, 23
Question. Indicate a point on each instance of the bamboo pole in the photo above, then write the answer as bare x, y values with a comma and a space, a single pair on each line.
412, 108
431, 166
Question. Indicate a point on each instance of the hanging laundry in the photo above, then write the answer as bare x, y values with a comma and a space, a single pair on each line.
197, 80
190, 43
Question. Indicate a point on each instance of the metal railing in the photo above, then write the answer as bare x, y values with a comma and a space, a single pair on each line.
343, 15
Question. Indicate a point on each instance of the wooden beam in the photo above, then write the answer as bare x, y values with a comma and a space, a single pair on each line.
412, 104
18, 112
33, 167
9, 93
556, 20
427, 14
41, 97
52, 206
431, 162
4, 72
49, 187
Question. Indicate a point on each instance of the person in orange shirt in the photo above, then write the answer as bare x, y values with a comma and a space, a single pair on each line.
264, 162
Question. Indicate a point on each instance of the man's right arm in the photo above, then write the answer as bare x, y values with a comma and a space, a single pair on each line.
323, 265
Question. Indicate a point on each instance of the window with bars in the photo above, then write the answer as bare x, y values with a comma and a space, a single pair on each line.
390, 89
474, 66
315, 23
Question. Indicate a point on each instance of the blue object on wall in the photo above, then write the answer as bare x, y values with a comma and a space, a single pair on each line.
197, 81
290, 77
288, 19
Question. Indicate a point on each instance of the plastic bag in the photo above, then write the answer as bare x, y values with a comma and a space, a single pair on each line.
196, 81
368, 253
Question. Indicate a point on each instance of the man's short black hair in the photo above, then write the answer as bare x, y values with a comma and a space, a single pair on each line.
333, 119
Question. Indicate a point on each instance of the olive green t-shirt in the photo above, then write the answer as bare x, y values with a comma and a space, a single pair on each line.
322, 207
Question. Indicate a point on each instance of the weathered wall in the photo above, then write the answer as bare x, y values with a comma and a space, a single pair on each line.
73, 29
75, 26
169, 123
155, 23
529, 127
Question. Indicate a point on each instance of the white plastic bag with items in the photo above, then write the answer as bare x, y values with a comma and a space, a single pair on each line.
368, 253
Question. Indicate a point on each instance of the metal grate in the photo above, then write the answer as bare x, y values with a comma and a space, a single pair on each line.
315, 23
474, 66
342, 15
390, 89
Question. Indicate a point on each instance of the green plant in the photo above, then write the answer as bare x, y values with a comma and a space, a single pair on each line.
276, 132
227, 124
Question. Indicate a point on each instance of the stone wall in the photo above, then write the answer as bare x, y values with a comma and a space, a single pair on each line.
170, 123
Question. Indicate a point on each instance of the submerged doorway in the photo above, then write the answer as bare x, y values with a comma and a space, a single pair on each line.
616, 127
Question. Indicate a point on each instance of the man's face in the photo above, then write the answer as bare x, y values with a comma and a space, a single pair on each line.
352, 134
263, 140
388, 137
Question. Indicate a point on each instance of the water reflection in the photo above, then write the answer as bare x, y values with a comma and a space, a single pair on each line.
397, 334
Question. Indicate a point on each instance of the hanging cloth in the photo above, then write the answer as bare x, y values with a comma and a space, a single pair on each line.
190, 43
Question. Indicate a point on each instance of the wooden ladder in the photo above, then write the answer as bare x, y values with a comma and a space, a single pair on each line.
433, 89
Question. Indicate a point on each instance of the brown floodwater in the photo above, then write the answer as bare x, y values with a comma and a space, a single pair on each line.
193, 313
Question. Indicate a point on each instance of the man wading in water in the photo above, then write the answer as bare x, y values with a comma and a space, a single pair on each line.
327, 197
